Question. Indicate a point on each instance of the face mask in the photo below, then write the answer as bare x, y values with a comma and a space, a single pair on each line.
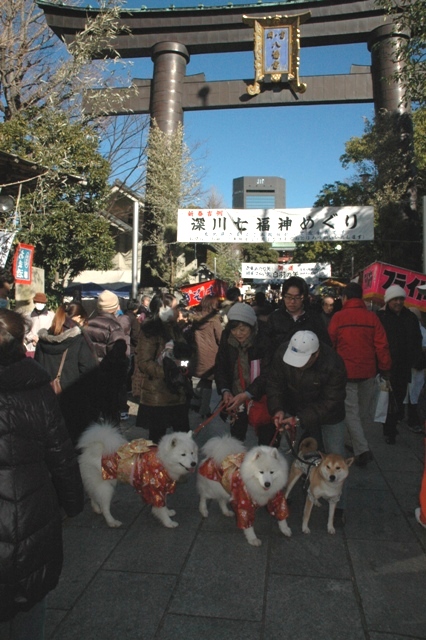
39, 306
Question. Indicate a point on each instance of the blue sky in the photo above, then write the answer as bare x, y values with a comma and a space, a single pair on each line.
302, 144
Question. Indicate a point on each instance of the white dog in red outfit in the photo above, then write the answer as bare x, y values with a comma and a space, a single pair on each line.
249, 479
152, 470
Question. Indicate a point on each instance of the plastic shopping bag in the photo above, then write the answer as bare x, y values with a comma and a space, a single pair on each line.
382, 402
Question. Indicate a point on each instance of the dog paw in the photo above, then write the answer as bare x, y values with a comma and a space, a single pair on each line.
114, 524
171, 525
306, 530
228, 513
287, 532
331, 530
171, 512
255, 542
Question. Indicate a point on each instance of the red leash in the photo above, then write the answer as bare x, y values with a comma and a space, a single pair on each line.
210, 418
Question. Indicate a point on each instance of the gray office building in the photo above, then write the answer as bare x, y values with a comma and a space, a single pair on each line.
258, 192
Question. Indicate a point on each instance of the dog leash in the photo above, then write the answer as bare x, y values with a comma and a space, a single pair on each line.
291, 442
215, 413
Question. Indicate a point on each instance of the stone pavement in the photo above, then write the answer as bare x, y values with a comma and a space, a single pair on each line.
203, 580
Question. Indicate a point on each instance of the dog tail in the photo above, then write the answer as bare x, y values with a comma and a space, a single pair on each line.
308, 445
220, 447
104, 435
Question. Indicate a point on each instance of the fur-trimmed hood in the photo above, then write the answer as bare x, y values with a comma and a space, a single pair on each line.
44, 335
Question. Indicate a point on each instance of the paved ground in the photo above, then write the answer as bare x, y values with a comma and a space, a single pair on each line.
203, 581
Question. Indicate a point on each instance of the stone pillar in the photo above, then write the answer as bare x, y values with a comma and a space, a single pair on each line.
388, 93
170, 60
393, 109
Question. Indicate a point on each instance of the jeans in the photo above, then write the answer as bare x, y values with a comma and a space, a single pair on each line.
359, 412
333, 437
27, 625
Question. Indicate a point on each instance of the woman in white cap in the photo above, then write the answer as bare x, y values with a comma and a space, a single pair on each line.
240, 370
405, 343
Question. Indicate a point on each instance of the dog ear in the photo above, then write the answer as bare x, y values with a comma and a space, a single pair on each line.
275, 452
173, 443
349, 461
323, 456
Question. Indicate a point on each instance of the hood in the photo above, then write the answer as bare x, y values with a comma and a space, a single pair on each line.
51, 344
44, 335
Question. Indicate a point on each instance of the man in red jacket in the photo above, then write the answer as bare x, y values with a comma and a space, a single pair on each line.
360, 339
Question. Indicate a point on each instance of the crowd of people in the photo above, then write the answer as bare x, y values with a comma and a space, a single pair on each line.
310, 365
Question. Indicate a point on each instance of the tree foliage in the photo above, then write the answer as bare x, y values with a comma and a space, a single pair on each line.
172, 182
61, 216
383, 177
46, 121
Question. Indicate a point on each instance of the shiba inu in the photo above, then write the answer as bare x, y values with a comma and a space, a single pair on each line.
326, 481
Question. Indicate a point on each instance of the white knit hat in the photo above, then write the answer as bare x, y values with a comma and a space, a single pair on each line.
300, 348
108, 301
394, 291
242, 312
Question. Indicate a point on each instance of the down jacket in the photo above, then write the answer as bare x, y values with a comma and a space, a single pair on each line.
149, 373
360, 339
207, 333
316, 395
105, 331
39, 474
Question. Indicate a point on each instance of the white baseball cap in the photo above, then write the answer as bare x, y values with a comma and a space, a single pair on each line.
300, 348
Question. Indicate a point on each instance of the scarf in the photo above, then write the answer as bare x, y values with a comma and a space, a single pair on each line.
242, 363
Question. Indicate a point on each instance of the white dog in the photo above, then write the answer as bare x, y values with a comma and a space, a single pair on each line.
249, 479
152, 470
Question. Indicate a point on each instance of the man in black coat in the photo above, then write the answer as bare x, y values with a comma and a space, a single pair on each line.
306, 389
405, 344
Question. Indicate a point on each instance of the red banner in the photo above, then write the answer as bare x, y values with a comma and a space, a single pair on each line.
196, 292
23, 263
377, 277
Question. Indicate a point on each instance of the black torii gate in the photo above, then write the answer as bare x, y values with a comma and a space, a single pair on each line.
171, 36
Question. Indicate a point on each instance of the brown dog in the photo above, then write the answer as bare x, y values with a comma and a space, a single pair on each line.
326, 481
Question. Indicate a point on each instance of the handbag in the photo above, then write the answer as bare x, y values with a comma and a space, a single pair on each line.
56, 382
258, 414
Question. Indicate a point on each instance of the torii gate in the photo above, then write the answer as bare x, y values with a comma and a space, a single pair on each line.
171, 36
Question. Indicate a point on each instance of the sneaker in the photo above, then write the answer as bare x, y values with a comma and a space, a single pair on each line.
417, 513
363, 459
124, 415
417, 429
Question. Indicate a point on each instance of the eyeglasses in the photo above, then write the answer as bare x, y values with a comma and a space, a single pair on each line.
292, 298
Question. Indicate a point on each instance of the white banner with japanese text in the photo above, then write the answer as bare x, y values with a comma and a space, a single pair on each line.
312, 272
334, 224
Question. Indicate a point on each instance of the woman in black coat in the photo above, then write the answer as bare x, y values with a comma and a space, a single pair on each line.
79, 398
39, 475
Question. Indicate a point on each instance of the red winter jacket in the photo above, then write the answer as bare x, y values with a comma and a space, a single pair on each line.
360, 339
